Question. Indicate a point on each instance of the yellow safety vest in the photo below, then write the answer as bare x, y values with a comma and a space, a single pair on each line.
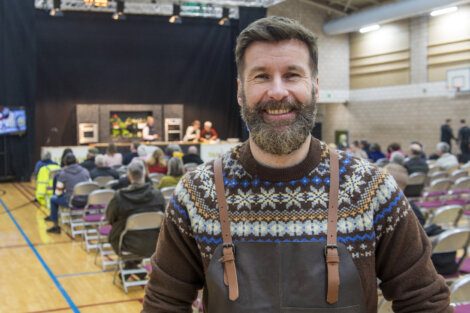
44, 183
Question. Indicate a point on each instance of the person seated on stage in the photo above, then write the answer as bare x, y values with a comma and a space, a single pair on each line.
156, 163
149, 132
193, 132
139, 197
415, 162
89, 163
68, 177
132, 154
173, 150
45, 160
102, 168
446, 160
174, 174
209, 133
192, 156
113, 158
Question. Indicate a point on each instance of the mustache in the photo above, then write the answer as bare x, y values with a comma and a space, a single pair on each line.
278, 105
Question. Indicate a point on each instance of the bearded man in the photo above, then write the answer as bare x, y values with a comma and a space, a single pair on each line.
281, 223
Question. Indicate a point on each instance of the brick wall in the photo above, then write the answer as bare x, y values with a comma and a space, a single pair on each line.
399, 121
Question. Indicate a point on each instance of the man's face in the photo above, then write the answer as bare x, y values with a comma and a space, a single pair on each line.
150, 121
277, 94
197, 125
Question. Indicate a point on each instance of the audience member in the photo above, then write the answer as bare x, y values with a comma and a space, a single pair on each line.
102, 168
415, 163
446, 160
142, 152
397, 170
149, 132
193, 132
365, 145
192, 156
45, 160
113, 158
89, 163
173, 150
71, 175
139, 197
392, 148
447, 134
209, 133
356, 150
375, 153
132, 154
64, 153
175, 172
156, 162
464, 141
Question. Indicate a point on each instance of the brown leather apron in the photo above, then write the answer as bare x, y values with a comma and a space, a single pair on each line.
282, 277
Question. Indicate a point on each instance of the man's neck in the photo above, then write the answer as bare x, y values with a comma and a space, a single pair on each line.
280, 161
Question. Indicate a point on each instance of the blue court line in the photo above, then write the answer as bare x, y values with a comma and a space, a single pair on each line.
41, 260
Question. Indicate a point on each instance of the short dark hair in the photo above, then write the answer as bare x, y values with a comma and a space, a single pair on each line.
463, 121
275, 29
69, 159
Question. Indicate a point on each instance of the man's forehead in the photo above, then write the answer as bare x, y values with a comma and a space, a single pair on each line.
261, 54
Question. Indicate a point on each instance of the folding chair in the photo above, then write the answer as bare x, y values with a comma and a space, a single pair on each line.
105, 250
167, 193
384, 306
438, 188
156, 176
438, 175
72, 213
460, 294
458, 174
189, 167
447, 216
135, 222
415, 185
94, 214
452, 240
103, 180
111, 184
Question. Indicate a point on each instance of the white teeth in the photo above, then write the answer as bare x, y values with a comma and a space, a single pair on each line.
278, 112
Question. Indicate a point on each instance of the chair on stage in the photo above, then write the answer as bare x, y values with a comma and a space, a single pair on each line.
94, 214
135, 222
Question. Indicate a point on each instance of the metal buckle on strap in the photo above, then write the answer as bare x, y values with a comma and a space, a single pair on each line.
229, 245
330, 246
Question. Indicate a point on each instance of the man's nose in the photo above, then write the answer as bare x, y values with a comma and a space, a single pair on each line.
277, 89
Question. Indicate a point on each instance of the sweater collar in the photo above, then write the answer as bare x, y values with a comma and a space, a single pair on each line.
297, 171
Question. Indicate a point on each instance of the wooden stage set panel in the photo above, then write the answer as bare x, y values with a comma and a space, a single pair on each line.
50, 273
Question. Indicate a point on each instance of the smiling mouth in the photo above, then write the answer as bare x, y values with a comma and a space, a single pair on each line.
278, 112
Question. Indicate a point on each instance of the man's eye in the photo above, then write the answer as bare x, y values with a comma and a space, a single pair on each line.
291, 75
261, 76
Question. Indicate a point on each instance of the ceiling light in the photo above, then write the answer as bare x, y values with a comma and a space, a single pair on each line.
176, 18
444, 11
56, 11
119, 14
225, 20
369, 28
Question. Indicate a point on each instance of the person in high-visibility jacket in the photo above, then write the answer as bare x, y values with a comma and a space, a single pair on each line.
44, 178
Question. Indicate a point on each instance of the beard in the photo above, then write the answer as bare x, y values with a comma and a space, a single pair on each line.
279, 137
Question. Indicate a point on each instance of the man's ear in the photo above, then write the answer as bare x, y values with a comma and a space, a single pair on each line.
316, 88
239, 92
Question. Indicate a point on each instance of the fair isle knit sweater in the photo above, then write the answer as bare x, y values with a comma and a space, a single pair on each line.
375, 223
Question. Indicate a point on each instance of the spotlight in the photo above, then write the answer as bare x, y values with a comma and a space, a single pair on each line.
56, 11
176, 18
119, 14
225, 20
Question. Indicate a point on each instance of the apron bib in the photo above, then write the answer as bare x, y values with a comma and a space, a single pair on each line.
282, 277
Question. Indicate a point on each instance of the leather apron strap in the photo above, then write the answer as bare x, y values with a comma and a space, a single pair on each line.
331, 248
228, 257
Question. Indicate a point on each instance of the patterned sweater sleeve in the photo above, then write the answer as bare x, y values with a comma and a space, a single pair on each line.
403, 262
177, 269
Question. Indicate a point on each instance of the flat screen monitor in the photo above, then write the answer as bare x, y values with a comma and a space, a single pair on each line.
12, 120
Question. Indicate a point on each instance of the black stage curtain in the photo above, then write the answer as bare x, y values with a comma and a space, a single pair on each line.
90, 58
17, 81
